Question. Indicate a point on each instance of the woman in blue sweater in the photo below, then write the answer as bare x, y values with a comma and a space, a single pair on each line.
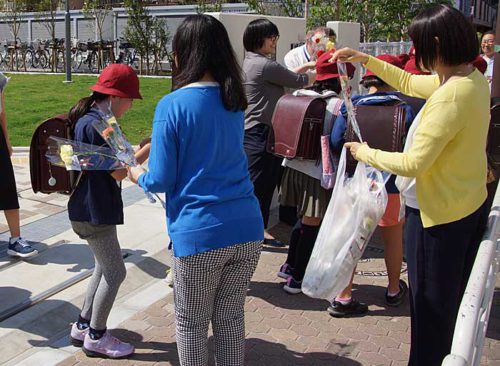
214, 220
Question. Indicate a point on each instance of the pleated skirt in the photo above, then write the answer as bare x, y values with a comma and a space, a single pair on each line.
304, 192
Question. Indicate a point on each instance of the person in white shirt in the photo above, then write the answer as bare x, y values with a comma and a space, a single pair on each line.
300, 59
488, 50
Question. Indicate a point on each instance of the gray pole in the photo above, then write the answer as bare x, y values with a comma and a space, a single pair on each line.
68, 44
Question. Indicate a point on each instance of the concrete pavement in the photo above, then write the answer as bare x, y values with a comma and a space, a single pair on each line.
281, 329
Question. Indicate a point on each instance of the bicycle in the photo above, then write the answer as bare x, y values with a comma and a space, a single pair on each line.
128, 54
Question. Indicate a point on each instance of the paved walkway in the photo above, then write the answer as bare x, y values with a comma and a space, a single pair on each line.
281, 329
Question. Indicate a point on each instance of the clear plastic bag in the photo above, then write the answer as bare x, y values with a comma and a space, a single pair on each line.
356, 207
75, 155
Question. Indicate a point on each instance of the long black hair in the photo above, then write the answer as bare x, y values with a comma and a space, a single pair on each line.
83, 106
201, 45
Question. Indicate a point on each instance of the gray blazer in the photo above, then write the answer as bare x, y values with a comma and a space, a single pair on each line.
265, 81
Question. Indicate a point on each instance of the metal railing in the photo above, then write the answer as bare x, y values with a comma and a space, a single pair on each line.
474, 312
392, 48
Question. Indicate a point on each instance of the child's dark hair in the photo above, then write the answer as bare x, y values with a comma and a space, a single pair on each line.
83, 107
332, 84
373, 81
201, 45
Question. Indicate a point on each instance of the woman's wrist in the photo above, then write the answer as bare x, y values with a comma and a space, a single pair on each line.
365, 59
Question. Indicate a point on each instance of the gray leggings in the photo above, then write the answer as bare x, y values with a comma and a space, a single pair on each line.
108, 274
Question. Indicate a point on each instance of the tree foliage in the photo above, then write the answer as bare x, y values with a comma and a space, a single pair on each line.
379, 19
11, 14
99, 10
46, 13
147, 34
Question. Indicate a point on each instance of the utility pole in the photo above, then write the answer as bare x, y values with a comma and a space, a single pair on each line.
306, 10
67, 43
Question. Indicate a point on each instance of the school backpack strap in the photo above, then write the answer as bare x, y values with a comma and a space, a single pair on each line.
297, 125
382, 127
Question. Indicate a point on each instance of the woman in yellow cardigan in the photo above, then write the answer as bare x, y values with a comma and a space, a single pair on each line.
445, 152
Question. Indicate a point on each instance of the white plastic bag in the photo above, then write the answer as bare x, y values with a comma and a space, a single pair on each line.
356, 206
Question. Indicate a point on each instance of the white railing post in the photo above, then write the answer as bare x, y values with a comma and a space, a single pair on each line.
473, 315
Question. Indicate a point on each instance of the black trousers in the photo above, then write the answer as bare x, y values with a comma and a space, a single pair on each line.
8, 191
264, 168
440, 259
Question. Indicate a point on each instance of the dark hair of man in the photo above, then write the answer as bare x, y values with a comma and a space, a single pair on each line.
83, 106
332, 84
443, 34
329, 32
201, 45
256, 32
372, 81
492, 33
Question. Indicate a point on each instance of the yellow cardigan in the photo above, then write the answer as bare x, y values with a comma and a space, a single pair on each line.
448, 156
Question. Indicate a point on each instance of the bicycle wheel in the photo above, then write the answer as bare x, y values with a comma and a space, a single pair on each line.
43, 59
19, 60
132, 60
94, 62
60, 62
76, 60
29, 58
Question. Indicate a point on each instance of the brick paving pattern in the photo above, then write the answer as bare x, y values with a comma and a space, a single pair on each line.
287, 329
281, 329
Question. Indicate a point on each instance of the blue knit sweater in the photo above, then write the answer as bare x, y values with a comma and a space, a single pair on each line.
197, 159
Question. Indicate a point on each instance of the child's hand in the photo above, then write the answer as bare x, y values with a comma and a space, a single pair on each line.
134, 172
144, 142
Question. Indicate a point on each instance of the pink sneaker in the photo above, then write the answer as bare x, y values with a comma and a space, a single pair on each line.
77, 336
285, 271
106, 347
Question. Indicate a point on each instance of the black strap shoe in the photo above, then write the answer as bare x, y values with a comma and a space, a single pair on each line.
339, 310
398, 299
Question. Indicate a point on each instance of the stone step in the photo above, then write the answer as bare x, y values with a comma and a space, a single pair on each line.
69, 256
40, 334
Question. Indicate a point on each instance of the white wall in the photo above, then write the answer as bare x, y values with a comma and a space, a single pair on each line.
292, 30
348, 35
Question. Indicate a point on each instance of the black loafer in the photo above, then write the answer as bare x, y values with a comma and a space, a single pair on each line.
339, 310
274, 243
398, 299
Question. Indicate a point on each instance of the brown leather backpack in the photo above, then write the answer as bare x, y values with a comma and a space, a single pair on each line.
47, 178
382, 127
297, 126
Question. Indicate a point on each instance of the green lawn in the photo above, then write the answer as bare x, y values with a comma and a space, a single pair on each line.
30, 99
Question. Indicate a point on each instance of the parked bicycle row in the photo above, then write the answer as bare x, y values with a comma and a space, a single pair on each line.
86, 57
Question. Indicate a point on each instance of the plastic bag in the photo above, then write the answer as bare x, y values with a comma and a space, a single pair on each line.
75, 155
356, 207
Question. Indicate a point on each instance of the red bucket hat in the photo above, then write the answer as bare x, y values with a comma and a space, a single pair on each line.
328, 70
118, 80
391, 59
411, 67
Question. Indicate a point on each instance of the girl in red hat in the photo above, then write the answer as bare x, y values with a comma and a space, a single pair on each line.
96, 207
301, 183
